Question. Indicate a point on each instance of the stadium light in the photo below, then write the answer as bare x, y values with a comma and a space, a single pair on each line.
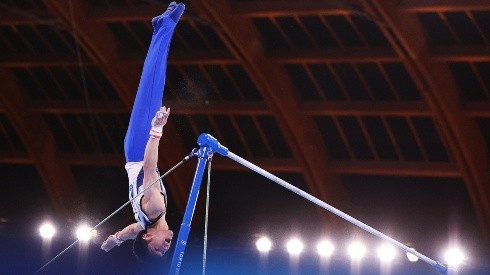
295, 246
386, 253
356, 250
47, 230
325, 248
263, 244
83, 233
454, 257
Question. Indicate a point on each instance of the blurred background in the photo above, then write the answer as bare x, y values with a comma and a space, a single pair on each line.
379, 108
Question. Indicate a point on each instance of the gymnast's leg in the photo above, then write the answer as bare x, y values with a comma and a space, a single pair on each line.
150, 90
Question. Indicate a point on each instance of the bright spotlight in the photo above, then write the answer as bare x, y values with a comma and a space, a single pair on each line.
295, 246
386, 253
411, 257
356, 250
83, 233
47, 230
454, 257
325, 248
263, 244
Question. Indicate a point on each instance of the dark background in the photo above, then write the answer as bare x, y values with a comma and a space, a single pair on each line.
380, 109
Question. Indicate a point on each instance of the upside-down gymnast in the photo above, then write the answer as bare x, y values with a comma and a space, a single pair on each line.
151, 234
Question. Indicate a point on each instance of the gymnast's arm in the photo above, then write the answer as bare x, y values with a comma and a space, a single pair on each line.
128, 233
153, 203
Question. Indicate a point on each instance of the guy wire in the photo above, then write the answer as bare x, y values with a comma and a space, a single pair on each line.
186, 158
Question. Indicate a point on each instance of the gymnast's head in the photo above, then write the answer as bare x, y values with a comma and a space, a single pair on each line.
150, 245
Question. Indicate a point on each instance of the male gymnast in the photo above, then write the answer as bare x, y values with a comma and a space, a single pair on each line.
151, 234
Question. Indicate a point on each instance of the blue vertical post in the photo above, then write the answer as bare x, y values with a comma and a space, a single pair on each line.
208, 145
189, 211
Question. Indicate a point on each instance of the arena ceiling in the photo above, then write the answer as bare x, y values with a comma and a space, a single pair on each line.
380, 108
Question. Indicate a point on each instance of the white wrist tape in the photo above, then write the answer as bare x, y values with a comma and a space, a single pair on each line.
116, 239
156, 132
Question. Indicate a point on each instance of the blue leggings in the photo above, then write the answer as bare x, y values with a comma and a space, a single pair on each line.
149, 96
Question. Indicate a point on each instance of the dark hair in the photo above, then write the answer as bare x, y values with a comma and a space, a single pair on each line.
141, 251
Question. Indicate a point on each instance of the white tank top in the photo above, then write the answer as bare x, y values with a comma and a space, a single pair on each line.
135, 177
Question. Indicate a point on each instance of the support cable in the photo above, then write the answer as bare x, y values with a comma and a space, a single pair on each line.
206, 220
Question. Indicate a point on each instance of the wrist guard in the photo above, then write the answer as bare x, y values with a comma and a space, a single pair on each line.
116, 239
156, 132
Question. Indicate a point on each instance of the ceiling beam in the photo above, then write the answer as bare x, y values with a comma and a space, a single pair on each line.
120, 14
325, 108
16, 16
462, 135
272, 80
371, 168
443, 5
312, 7
219, 163
219, 108
97, 41
77, 107
396, 168
461, 53
41, 147
178, 107
287, 7
311, 108
98, 159
272, 9
176, 58
185, 57
366, 108
255, 8
374, 54
27, 60
247, 9
7, 157
123, 13
467, 53
477, 109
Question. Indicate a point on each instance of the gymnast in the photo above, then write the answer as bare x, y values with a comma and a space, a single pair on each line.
150, 232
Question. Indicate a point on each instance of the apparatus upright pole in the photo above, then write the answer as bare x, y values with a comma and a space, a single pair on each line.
208, 145
185, 227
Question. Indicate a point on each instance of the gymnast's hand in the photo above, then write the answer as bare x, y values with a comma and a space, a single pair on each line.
110, 243
160, 118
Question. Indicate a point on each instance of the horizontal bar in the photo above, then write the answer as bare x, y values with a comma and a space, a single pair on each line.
334, 210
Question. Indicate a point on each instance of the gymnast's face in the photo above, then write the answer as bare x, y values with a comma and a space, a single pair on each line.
159, 241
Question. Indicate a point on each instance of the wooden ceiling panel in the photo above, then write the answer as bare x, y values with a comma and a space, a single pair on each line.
464, 139
335, 94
